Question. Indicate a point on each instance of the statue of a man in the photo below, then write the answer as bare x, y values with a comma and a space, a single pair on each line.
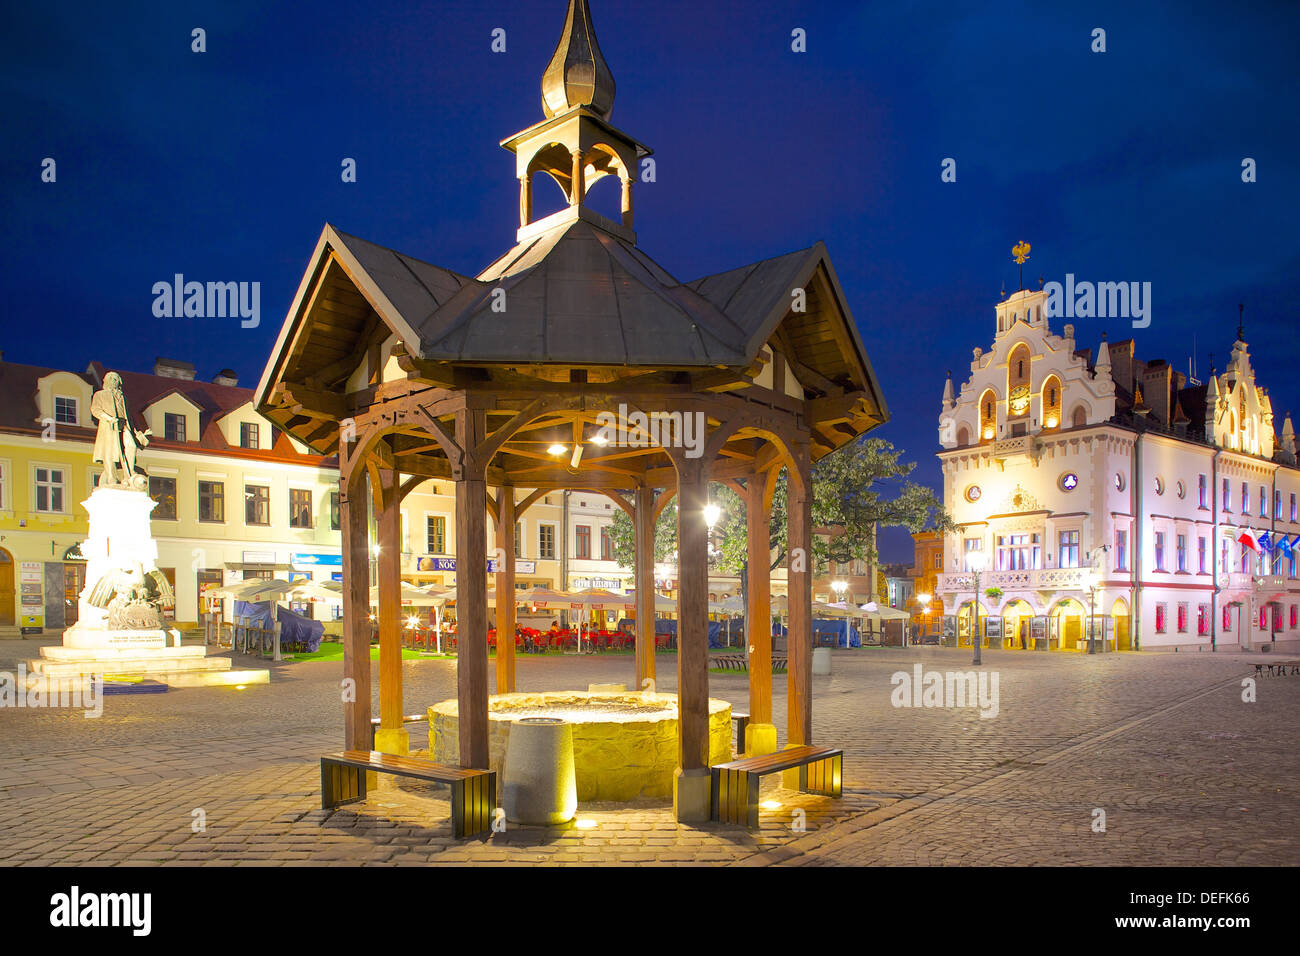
118, 442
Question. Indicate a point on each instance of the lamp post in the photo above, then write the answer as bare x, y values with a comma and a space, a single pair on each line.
839, 587
923, 599
976, 561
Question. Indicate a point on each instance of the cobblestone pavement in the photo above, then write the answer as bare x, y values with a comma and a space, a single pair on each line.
1184, 770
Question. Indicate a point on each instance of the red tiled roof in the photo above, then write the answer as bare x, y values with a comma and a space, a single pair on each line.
19, 410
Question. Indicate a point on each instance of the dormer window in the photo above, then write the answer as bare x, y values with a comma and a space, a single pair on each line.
65, 410
248, 435
173, 426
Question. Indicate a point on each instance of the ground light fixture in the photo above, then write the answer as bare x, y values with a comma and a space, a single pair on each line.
771, 805
585, 823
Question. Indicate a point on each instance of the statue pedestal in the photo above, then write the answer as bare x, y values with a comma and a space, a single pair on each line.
122, 541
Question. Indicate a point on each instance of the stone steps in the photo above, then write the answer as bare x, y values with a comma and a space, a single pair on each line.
134, 666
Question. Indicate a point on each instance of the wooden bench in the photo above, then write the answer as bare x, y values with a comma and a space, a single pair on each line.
1277, 668
735, 784
473, 792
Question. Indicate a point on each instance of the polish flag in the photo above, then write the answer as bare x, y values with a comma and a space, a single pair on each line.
1245, 538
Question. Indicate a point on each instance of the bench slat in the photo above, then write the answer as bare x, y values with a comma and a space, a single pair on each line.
402, 766
781, 760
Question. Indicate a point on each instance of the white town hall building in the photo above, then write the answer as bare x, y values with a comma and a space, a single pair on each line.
1112, 489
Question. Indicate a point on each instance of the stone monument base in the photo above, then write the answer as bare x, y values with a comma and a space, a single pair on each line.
135, 654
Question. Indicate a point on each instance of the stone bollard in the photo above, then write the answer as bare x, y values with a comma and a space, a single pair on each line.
539, 784
821, 661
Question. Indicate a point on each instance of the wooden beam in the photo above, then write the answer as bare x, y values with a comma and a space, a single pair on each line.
471, 598
758, 610
643, 570
505, 524
353, 515
389, 521
799, 585
692, 616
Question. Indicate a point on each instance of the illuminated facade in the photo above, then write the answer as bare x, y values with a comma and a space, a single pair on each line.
1112, 488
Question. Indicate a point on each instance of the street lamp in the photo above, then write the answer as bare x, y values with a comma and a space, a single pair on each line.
976, 560
839, 587
923, 599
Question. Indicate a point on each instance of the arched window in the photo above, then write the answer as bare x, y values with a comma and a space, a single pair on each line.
963, 435
988, 415
1080, 416
1051, 402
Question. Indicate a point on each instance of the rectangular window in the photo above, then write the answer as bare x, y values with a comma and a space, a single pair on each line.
4, 486
173, 426
1245, 560
1202, 619
1227, 495
1202, 547
1202, 491
257, 504
1293, 508
1245, 498
1223, 555
582, 541
1069, 549
1263, 502
938, 560
163, 491
1277, 505
1180, 551
1290, 564
300, 515
435, 534
546, 542
606, 545
49, 489
1293, 617
248, 435
1182, 618
1121, 550
212, 501
336, 515
65, 410
1160, 550
1227, 618
1160, 618
969, 547
519, 539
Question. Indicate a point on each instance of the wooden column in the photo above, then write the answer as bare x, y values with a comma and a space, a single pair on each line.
353, 515
505, 590
578, 191
799, 573
692, 616
391, 737
644, 574
758, 612
471, 594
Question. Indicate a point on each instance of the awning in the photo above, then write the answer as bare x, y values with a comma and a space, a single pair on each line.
253, 566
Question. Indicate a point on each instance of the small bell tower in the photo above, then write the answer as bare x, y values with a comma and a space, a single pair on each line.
576, 145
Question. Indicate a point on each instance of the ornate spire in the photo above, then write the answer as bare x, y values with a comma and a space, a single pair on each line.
577, 74
947, 393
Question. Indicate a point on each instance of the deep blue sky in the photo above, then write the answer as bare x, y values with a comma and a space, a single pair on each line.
224, 165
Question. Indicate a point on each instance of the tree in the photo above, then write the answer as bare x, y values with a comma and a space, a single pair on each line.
849, 494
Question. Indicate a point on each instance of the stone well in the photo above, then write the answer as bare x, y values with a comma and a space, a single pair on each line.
624, 744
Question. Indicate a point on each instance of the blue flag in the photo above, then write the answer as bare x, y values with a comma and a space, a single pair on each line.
1284, 545
1265, 543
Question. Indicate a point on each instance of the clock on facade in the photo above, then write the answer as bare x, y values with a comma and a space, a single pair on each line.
1018, 400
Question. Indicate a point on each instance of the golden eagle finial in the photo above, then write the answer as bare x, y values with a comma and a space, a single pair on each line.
1020, 251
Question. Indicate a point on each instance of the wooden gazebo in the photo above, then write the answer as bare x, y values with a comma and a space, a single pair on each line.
574, 338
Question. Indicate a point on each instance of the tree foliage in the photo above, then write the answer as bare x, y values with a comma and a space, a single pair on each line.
855, 487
